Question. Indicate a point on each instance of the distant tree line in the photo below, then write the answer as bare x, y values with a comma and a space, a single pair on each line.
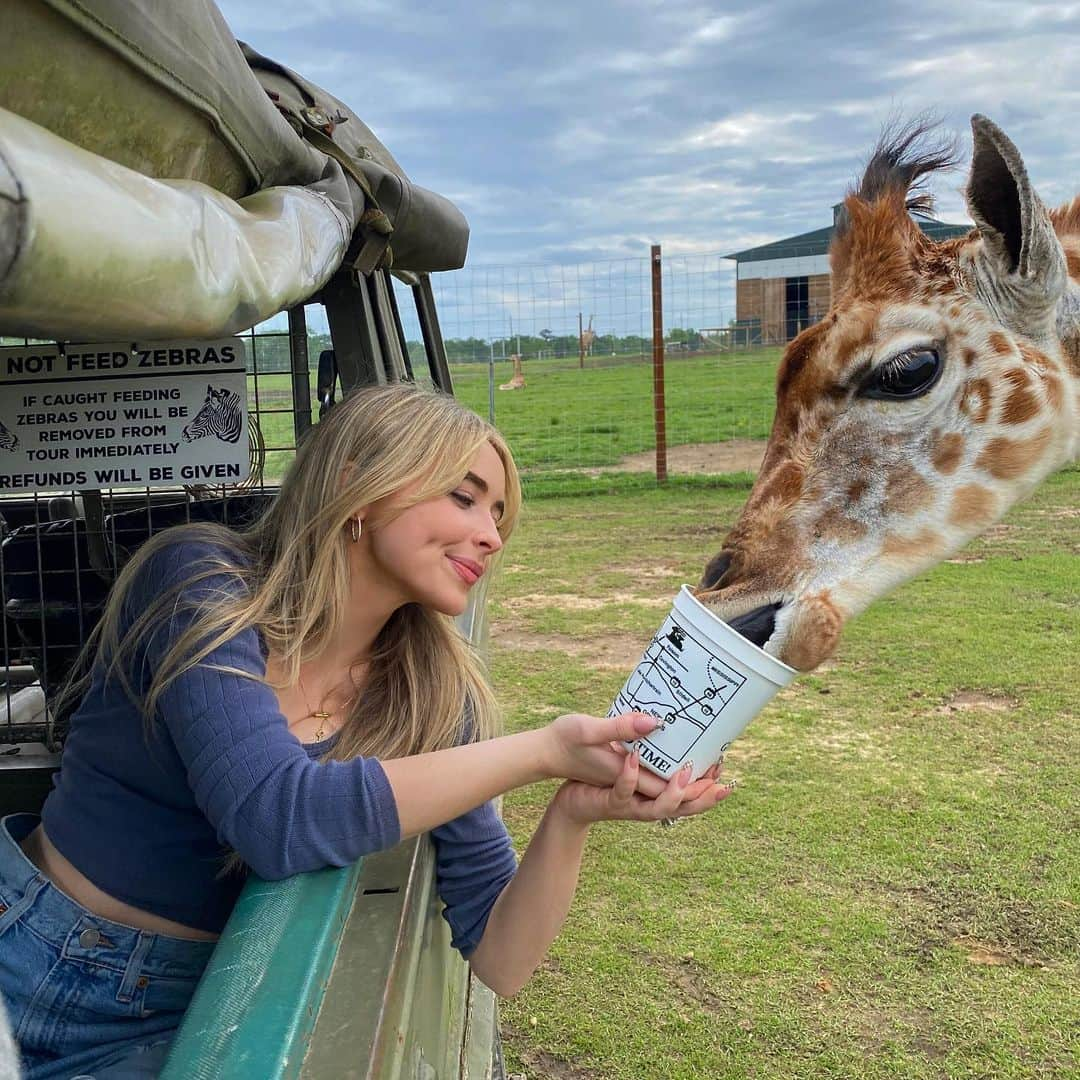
272, 350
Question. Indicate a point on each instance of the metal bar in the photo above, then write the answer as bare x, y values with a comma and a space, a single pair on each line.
240, 1024
402, 341
659, 410
429, 328
389, 342
353, 332
301, 375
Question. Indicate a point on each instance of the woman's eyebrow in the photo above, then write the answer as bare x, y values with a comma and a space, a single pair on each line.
482, 484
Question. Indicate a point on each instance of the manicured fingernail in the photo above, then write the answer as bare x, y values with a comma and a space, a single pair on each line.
685, 773
634, 757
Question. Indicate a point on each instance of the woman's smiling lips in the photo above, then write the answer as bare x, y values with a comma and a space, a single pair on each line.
469, 571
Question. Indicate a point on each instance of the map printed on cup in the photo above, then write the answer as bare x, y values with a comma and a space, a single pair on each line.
705, 681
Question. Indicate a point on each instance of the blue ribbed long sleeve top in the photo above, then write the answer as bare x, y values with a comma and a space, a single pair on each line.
149, 819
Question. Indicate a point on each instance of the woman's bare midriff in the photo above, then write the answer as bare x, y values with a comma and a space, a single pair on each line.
39, 850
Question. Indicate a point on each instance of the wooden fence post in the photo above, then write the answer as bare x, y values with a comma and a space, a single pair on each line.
659, 409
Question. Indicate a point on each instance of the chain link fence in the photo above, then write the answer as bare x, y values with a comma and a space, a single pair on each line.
562, 359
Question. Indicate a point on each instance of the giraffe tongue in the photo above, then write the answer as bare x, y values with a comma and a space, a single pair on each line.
757, 625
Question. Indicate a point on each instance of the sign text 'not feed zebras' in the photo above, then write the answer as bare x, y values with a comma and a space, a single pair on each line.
113, 415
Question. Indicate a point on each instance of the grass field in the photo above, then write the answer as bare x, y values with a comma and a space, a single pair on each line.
567, 418
893, 891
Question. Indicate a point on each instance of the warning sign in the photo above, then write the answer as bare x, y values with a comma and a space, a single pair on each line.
153, 414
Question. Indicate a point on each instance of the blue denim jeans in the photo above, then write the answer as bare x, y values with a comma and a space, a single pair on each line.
86, 997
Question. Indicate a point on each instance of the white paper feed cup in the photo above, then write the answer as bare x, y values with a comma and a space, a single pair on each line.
705, 681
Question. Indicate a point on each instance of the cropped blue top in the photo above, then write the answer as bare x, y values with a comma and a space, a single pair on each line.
149, 819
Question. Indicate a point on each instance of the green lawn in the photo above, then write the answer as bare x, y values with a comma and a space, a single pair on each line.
567, 418
894, 888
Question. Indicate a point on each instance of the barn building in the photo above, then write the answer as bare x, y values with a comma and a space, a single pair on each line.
783, 287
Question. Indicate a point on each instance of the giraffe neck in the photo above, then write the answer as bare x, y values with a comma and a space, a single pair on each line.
1068, 332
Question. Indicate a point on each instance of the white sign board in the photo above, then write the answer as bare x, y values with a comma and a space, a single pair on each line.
114, 415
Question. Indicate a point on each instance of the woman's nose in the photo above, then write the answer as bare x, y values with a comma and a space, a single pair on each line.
490, 537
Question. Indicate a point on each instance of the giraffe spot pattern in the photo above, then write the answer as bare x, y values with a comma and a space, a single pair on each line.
975, 400
924, 544
1006, 459
906, 491
947, 452
972, 505
1019, 408
834, 524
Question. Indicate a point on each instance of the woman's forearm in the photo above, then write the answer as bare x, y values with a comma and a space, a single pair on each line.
530, 911
431, 789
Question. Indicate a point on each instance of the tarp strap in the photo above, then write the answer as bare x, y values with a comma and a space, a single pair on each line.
370, 249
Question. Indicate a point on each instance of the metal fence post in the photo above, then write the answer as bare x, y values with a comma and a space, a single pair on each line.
659, 410
491, 385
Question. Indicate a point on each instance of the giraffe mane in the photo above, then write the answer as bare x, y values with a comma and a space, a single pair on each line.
875, 234
905, 155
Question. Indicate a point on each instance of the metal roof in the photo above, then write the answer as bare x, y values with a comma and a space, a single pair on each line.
817, 242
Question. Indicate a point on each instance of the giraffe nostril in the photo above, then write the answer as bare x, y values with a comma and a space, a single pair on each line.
716, 569
757, 625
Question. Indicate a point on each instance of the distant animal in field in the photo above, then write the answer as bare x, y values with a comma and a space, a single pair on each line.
588, 336
517, 380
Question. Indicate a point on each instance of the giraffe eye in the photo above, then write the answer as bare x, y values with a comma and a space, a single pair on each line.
908, 375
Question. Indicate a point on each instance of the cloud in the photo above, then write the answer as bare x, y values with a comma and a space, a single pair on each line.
571, 132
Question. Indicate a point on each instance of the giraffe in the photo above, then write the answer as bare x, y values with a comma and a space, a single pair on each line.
588, 336
517, 380
942, 385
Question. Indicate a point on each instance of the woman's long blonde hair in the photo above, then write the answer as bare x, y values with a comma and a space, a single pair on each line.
426, 688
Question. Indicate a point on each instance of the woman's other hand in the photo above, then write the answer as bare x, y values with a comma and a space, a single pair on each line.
586, 748
585, 803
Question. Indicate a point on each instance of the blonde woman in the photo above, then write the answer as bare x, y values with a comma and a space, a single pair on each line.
290, 698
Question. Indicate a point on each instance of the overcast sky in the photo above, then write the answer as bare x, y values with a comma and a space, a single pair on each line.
584, 131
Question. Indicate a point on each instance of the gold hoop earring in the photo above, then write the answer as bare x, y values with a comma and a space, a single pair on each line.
355, 528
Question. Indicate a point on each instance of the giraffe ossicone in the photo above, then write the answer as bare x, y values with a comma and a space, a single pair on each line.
940, 388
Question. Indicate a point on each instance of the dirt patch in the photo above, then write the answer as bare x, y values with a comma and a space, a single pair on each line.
989, 955
540, 1064
733, 456
602, 653
976, 701
736, 455
570, 602
660, 570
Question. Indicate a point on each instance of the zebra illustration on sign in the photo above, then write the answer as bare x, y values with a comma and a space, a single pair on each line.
8, 439
219, 416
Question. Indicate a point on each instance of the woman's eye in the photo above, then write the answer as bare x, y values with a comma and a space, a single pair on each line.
908, 375
462, 498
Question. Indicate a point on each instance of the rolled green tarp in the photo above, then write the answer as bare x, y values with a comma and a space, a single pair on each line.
92, 249
163, 87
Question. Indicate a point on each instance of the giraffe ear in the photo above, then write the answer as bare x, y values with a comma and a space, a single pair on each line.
1022, 251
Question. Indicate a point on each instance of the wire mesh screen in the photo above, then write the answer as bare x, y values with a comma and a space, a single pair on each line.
561, 358
61, 549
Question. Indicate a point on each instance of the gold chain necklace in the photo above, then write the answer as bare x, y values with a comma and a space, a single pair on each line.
321, 714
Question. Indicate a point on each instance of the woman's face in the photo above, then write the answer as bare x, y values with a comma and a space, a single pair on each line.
434, 552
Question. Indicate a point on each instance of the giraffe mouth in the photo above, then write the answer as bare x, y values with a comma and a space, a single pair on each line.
758, 625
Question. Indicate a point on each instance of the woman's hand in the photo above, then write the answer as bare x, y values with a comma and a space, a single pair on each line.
585, 803
586, 748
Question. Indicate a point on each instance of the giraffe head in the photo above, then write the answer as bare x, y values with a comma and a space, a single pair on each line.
939, 389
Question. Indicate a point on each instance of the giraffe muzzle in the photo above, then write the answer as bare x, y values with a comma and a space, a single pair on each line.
757, 625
